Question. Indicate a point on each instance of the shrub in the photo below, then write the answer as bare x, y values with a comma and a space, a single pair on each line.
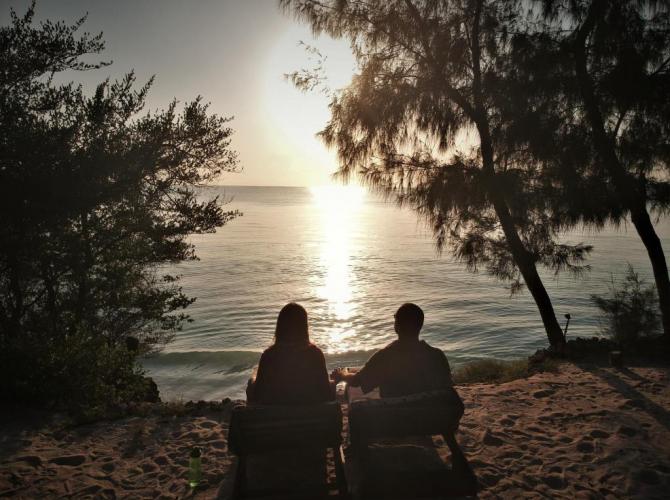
496, 371
630, 311
490, 371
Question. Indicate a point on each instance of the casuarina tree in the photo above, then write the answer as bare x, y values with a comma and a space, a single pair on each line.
422, 122
602, 71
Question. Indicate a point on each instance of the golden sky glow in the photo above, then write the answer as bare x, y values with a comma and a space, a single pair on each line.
232, 52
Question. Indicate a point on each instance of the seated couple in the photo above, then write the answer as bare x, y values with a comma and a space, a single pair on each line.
293, 370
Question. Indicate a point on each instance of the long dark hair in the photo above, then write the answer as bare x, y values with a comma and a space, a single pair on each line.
292, 324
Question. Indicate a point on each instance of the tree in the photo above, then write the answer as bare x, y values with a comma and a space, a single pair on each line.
430, 72
96, 200
610, 75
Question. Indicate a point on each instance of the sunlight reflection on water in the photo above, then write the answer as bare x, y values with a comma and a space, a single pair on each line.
351, 259
338, 209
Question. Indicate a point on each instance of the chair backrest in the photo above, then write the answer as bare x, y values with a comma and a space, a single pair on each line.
259, 428
428, 413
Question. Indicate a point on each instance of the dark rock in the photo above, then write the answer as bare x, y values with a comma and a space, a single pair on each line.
152, 394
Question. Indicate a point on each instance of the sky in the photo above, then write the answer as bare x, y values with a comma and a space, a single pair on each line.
234, 53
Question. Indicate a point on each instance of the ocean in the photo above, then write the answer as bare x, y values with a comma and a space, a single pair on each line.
351, 258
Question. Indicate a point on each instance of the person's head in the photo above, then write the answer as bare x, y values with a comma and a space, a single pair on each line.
292, 324
408, 321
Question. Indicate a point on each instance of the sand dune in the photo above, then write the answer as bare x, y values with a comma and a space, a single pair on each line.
586, 432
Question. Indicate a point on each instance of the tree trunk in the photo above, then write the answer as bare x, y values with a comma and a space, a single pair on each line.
522, 257
530, 276
632, 195
652, 243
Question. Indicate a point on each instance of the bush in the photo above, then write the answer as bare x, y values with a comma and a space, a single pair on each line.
495, 371
80, 373
631, 310
490, 371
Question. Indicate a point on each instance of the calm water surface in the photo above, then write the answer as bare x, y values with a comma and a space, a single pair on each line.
351, 260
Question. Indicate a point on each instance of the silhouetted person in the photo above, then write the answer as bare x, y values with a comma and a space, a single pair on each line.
292, 370
405, 366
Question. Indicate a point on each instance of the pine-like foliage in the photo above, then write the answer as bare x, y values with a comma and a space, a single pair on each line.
594, 77
426, 122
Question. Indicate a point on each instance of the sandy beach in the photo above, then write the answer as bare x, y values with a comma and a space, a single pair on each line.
586, 432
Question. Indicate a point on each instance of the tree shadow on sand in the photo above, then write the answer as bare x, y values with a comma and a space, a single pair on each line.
635, 398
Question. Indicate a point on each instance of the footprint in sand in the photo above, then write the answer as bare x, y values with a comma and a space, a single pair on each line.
554, 481
32, 460
148, 467
219, 445
510, 455
108, 467
490, 440
632, 403
69, 460
208, 424
585, 447
626, 431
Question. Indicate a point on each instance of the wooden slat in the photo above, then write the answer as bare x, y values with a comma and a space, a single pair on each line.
254, 429
429, 414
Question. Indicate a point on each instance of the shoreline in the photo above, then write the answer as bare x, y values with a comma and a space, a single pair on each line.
587, 431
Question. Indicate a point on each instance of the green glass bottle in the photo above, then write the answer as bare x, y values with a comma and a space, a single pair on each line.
194, 468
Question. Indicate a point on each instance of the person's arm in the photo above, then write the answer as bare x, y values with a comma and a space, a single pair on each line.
257, 382
367, 378
344, 375
251, 386
447, 377
325, 388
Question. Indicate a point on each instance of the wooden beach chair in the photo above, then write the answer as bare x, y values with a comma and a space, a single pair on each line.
288, 439
372, 421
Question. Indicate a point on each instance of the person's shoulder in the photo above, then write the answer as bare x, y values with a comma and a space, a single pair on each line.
269, 352
387, 352
435, 350
313, 348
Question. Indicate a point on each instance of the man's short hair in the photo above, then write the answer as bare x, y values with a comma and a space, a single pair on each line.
409, 318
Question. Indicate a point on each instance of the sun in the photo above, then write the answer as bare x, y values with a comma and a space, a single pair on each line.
293, 117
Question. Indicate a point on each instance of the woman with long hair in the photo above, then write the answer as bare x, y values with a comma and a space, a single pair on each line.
292, 370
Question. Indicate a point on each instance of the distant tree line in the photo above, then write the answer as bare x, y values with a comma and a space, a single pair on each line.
97, 198
507, 122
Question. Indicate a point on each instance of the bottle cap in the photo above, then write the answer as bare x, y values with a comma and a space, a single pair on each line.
195, 452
